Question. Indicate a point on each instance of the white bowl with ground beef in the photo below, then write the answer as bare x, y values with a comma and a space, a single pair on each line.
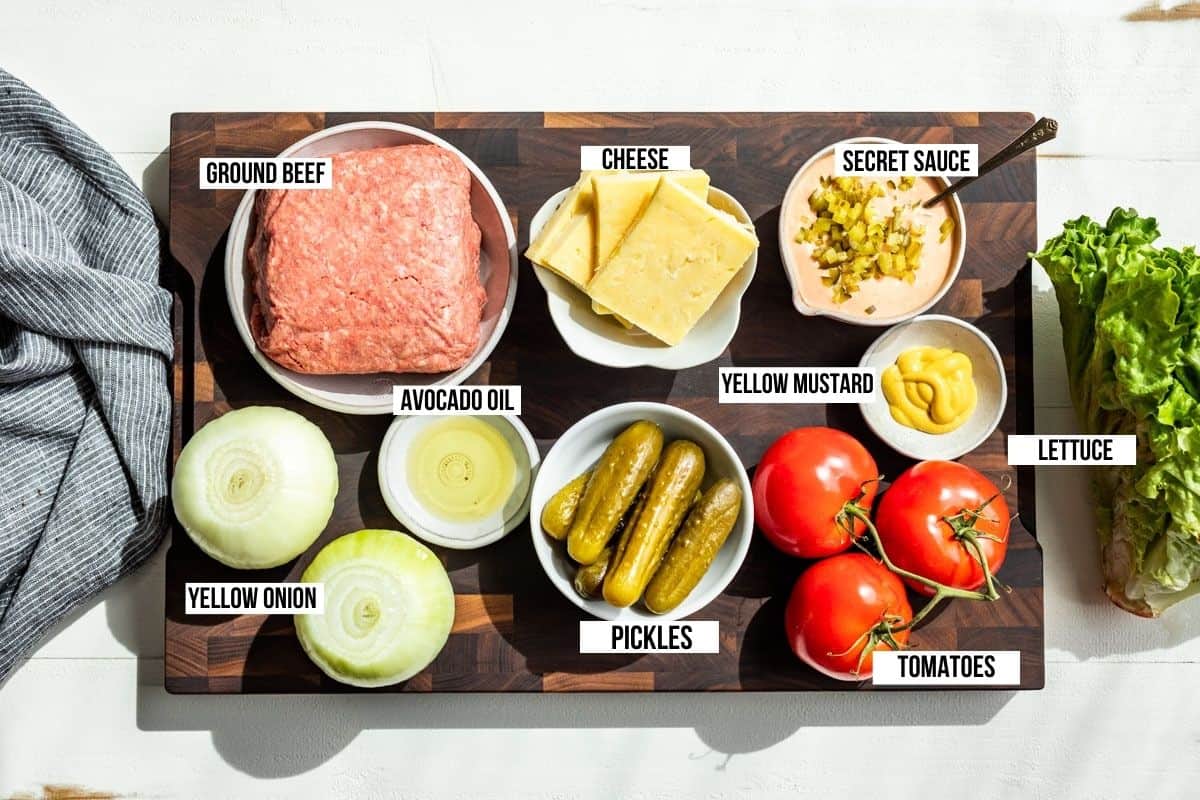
402, 274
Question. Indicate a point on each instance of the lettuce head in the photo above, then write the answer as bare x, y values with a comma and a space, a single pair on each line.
1131, 332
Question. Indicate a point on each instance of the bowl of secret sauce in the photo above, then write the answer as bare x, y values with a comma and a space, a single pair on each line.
876, 299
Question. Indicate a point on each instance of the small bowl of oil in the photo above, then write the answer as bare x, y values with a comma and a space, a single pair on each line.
458, 481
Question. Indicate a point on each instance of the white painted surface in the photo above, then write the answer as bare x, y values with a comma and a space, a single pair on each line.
1117, 718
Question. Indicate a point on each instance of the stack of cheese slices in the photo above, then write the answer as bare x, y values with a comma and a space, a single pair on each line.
646, 247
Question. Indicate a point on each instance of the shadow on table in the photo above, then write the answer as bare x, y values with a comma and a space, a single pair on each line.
275, 736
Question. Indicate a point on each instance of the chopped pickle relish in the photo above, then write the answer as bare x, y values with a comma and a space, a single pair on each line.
852, 242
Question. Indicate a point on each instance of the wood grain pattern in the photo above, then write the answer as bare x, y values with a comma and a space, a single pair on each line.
514, 632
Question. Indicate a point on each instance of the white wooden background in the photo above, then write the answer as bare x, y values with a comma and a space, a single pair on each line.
1119, 715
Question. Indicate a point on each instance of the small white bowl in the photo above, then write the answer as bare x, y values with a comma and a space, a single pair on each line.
602, 340
398, 496
935, 330
372, 393
580, 448
790, 267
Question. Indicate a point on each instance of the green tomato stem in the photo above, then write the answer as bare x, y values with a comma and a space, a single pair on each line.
940, 590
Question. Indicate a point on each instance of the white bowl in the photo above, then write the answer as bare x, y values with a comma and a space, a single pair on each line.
787, 233
398, 496
602, 340
372, 394
580, 448
935, 330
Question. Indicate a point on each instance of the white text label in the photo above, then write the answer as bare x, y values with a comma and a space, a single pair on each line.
650, 636
254, 598
266, 173
947, 668
1120, 450
635, 157
411, 401
888, 158
796, 384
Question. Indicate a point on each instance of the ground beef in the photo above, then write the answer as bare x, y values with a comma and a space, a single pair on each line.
379, 273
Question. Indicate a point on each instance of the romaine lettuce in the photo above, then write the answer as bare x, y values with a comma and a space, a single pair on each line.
1131, 333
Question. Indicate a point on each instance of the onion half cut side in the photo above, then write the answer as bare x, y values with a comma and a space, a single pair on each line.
389, 607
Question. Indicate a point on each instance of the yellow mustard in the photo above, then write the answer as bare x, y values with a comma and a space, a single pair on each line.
930, 389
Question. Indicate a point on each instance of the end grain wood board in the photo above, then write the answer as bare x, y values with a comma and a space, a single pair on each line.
513, 631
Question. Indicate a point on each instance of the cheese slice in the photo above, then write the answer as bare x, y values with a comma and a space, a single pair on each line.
672, 263
607, 312
566, 243
621, 196
572, 256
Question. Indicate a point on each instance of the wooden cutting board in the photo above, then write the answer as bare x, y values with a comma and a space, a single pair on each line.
513, 631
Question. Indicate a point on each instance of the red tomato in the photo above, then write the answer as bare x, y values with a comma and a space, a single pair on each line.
801, 485
834, 607
918, 515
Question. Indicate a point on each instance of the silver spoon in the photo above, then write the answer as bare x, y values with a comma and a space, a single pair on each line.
1042, 131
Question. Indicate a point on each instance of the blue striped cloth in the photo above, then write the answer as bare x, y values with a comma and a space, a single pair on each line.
85, 351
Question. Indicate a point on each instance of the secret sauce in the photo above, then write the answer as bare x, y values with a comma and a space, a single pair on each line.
888, 296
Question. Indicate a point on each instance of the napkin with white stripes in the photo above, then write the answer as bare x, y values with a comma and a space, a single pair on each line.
85, 349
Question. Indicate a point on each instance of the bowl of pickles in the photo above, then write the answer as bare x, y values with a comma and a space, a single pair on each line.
641, 510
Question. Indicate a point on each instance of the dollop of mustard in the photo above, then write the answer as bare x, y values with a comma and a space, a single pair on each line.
930, 389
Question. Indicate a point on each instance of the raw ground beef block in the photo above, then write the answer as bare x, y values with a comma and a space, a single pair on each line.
379, 273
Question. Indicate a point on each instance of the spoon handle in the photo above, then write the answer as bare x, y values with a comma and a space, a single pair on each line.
1042, 131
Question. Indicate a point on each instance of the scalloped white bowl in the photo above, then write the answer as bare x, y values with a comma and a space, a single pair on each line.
603, 340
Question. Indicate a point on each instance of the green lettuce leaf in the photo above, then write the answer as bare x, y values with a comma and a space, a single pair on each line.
1131, 334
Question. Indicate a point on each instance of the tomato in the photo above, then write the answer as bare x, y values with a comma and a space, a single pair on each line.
834, 607
918, 516
801, 485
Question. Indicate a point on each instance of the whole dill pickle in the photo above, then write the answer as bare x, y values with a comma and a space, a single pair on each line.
613, 486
